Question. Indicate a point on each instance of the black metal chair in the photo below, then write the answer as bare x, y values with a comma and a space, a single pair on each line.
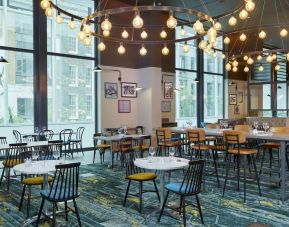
17, 135
78, 140
142, 145
29, 138
190, 186
63, 188
3, 140
46, 135
65, 136
53, 145
134, 173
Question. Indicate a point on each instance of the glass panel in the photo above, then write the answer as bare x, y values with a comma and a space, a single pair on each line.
260, 96
214, 64
281, 96
16, 32
213, 98
71, 95
16, 93
186, 98
62, 39
281, 73
186, 60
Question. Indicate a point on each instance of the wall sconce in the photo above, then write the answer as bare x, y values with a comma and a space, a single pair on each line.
98, 69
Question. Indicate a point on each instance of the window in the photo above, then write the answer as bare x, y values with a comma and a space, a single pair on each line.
72, 75
88, 107
71, 44
88, 76
24, 108
73, 107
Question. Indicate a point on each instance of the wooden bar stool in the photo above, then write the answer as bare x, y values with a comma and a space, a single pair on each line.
166, 141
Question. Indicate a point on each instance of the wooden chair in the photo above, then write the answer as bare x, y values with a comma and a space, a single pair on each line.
121, 147
235, 141
211, 126
100, 147
190, 186
165, 141
245, 128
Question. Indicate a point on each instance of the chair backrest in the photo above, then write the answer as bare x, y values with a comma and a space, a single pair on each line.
46, 135
139, 128
163, 134
65, 135
29, 138
53, 145
17, 153
79, 133
130, 168
125, 144
65, 182
196, 135
279, 129
17, 136
3, 140
211, 125
192, 182
245, 128
234, 137
146, 141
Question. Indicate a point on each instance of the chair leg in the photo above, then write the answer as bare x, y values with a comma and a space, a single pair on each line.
94, 152
163, 206
200, 209
262, 162
66, 211
256, 174
22, 197
53, 215
126, 194
216, 167
2, 175
40, 211
28, 200
77, 212
81, 148
227, 172
157, 191
184, 210
245, 176
238, 171
112, 157
140, 196
8, 179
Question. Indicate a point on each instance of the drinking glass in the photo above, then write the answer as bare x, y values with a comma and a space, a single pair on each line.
119, 131
266, 126
152, 151
256, 124
172, 152
139, 131
225, 124
35, 155
56, 154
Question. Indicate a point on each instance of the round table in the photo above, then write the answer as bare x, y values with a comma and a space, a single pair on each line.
162, 164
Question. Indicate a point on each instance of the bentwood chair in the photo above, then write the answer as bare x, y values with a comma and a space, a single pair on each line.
190, 186
100, 147
17, 135
46, 135
136, 174
13, 157
236, 147
64, 187
77, 142
65, 136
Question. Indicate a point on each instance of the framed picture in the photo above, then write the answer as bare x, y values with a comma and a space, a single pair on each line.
124, 106
168, 90
110, 90
240, 97
232, 99
236, 109
128, 90
166, 106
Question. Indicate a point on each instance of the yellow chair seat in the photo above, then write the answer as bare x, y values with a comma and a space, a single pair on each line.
201, 147
11, 163
243, 151
102, 146
35, 180
142, 176
140, 147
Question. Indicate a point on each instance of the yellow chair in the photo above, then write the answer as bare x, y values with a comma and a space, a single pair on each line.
101, 147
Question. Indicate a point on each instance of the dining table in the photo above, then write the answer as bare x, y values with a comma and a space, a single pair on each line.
282, 138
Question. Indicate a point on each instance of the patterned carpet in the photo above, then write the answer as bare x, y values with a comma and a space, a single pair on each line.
102, 192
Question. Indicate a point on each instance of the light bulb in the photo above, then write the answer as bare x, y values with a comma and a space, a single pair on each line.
172, 22
217, 26
121, 49
165, 50
72, 24
215, 54
59, 18
198, 26
235, 63
137, 21
186, 48
287, 56
243, 37
269, 59
262, 35
245, 58
250, 6
101, 46
259, 58
106, 25
235, 69
228, 67
87, 41
45, 4
274, 56
232, 21
81, 35
250, 61
243, 14
261, 68
124, 34
144, 34
277, 67
227, 40
86, 29
246, 69
49, 12
283, 32
163, 34
212, 32
223, 56
143, 51
212, 40
182, 32
106, 33
202, 44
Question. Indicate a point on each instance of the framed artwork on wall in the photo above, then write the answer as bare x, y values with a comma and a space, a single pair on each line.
166, 106
168, 90
240, 97
110, 90
232, 99
128, 90
236, 109
124, 106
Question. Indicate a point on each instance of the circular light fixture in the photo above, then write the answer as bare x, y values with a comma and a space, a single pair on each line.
269, 59
163, 34
283, 33
121, 49
235, 63
262, 35
228, 67
106, 24
202, 45
105, 33
124, 34
235, 69
87, 41
45, 4
250, 6
277, 67
87, 29
198, 26
243, 37
59, 18
232, 21
261, 68
245, 58
144, 34
172, 22
227, 40
101, 46
217, 26
250, 61
287, 56
143, 51
72, 24
243, 15
246, 69
137, 21
274, 56
182, 31
81, 35
212, 32
165, 50
49, 12
259, 58
186, 48
223, 56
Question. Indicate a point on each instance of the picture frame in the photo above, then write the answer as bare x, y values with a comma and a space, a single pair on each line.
168, 90
240, 97
236, 109
232, 99
110, 90
128, 90
124, 106
166, 106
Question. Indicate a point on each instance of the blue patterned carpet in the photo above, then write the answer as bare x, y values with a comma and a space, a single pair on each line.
102, 193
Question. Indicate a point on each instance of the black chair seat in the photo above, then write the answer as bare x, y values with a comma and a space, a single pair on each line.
59, 195
75, 141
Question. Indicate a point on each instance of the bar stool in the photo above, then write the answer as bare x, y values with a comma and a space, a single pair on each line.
234, 140
165, 141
